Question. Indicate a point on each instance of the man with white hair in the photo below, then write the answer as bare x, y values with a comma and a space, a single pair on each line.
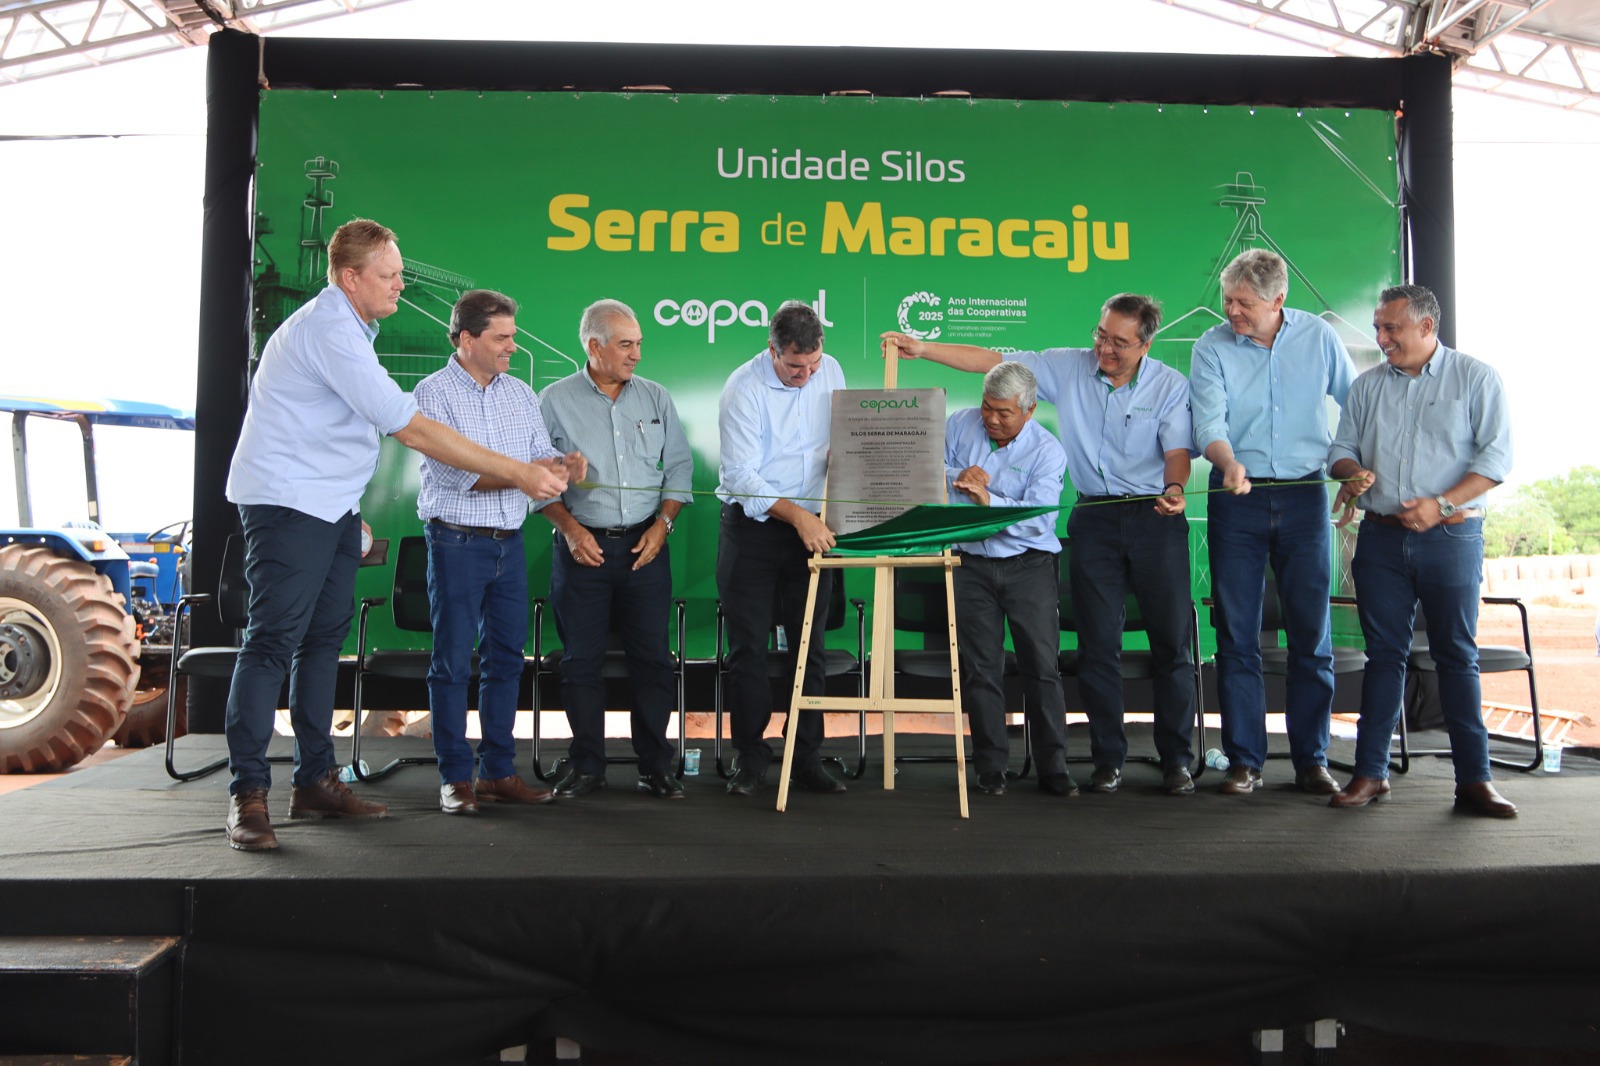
611, 569
1260, 383
996, 455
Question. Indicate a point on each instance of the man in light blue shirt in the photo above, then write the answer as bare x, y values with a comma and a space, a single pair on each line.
1127, 433
318, 402
1260, 383
1423, 437
774, 420
996, 455
611, 571
477, 570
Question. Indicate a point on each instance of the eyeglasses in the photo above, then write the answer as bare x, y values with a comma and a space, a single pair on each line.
1102, 339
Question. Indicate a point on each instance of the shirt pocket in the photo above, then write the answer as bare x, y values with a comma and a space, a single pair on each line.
1447, 421
650, 444
1141, 435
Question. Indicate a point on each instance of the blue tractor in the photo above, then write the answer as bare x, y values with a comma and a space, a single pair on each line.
82, 622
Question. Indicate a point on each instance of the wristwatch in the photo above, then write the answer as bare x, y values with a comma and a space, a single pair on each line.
665, 521
1446, 508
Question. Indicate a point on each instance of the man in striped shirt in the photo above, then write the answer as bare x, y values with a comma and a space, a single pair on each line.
477, 576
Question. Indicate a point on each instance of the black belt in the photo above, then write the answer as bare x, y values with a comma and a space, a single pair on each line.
1313, 476
1126, 497
622, 531
477, 531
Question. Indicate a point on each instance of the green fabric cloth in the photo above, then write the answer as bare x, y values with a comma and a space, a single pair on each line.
932, 527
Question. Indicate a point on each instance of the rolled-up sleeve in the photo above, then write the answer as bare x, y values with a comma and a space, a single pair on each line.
351, 372
677, 459
1208, 397
1491, 426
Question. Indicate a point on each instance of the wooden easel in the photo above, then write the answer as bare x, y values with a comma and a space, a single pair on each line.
880, 680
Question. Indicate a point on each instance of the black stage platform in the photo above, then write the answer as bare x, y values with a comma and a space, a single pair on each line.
870, 927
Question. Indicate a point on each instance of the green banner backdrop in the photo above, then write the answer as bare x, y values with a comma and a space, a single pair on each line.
999, 223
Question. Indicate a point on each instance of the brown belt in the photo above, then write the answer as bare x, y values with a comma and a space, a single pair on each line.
1395, 520
476, 531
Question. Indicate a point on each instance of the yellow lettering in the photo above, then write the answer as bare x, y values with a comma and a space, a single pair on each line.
1009, 227
1119, 250
977, 237
721, 233
648, 221
1049, 238
575, 226
907, 237
936, 232
1080, 240
613, 231
867, 229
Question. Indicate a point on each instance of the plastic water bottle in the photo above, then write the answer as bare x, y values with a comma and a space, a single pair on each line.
347, 774
691, 763
1216, 760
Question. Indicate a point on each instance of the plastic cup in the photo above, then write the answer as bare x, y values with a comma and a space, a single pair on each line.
1552, 758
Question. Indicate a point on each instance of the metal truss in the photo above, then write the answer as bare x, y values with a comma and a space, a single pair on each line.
39, 38
1543, 51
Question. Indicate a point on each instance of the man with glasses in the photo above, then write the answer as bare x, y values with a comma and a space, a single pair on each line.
774, 419
1124, 421
1261, 381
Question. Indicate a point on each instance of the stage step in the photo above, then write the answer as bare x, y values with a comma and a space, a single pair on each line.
72, 997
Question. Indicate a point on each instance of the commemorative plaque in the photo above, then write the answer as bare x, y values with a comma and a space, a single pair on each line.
886, 455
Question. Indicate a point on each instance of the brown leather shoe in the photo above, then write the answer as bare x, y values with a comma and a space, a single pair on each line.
1241, 781
249, 826
457, 797
511, 789
1481, 798
1316, 780
1360, 792
332, 798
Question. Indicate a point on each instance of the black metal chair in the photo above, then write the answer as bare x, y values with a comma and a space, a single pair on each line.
547, 663
1275, 656
837, 662
233, 607
1492, 659
919, 607
1136, 664
411, 613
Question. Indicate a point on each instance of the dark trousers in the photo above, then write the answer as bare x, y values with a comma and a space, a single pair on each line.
302, 575
1020, 589
592, 602
1116, 549
762, 579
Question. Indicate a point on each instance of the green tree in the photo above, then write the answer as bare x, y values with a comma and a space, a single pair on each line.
1574, 499
1526, 524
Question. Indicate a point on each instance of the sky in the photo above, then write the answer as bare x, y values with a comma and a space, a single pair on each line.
99, 266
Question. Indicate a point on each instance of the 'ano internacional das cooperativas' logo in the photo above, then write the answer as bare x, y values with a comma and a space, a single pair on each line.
920, 317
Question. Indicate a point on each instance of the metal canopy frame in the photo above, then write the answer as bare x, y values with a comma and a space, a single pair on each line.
1540, 51
40, 38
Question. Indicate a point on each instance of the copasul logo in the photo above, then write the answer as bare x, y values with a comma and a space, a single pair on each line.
718, 313
887, 405
920, 317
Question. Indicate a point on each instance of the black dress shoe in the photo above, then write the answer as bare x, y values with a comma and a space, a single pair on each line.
1060, 784
661, 786
745, 782
1105, 779
1481, 798
993, 784
1316, 780
575, 783
1178, 781
816, 779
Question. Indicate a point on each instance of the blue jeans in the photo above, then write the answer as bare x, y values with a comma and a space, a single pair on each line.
1020, 589
302, 576
1395, 570
590, 603
1116, 549
477, 591
1288, 527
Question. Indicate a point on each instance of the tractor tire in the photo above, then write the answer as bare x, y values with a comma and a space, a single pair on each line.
68, 660
146, 723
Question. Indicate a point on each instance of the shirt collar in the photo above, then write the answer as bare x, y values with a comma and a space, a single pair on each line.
464, 378
369, 328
